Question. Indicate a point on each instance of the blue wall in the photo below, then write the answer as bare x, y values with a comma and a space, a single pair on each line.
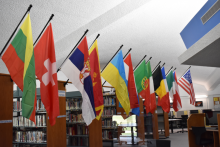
195, 29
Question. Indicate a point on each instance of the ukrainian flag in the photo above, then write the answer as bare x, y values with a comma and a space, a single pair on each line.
114, 74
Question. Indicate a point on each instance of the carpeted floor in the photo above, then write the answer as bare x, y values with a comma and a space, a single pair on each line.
177, 140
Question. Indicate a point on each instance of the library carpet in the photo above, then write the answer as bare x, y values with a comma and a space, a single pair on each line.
177, 140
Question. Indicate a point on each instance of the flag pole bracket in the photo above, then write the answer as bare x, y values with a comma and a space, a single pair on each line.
66, 82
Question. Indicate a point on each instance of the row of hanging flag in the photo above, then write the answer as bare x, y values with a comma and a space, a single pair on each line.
24, 60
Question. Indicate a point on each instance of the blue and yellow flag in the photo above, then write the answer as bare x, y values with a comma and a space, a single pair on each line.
114, 74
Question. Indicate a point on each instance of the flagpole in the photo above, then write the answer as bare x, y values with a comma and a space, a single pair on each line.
28, 10
156, 67
127, 53
163, 64
73, 48
139, 62
169, 70
89, 48
112, 58
51, 17
148, 60
185, 72
123, 58
94, 40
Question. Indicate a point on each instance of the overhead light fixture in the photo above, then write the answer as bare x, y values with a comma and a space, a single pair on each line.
201, 96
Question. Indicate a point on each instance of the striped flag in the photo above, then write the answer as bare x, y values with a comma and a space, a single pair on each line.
133, 96
77, 69
19, 59
186, 83
177, 104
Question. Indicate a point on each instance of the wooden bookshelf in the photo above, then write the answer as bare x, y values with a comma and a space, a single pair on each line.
6, 113
56, 135
95, 128
109, 117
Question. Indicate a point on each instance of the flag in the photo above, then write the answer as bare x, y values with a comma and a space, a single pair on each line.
96, 79
77, 69
151, 95
170, 84
165, 102
159, 87
177, 105
19, 59
45, 66
134, 104
144, 82
186, 83
114, 74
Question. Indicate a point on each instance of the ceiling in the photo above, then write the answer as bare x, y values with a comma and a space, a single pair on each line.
150, 27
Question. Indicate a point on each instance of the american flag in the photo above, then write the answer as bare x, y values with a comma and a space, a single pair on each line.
186, 83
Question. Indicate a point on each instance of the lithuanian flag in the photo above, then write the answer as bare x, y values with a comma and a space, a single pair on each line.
96, 79
19, 59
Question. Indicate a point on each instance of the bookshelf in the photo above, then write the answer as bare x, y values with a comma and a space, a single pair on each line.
78, 133
163, 123
6, 113
108, 126
25, 133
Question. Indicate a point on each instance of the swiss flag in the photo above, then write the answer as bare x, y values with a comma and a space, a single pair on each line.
45, 68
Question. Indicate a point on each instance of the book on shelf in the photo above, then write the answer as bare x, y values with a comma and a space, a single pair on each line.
108, 123
74, 117
21, 121
30, 136
72, 104
106, 134
77, 130
109, 101
40, 105
109, 111
109, 93
16, 105
77, 141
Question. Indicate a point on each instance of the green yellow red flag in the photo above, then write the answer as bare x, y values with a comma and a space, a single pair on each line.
19, 59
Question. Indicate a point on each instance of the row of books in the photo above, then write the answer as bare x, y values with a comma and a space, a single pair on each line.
109, 101
22, 121
29, 145
16, 106
77, 141
106, 134
30, 136
72, 104
40, 105
74, 117
108, 123
109, 111
77, 130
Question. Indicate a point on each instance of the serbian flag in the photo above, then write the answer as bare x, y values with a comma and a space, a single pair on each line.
96, 79
19, 59
45, 66
133, 96
77, 69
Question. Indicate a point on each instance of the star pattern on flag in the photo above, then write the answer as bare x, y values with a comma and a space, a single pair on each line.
187, 76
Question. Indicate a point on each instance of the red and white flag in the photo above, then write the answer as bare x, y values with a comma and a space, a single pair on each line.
45, 67
177, 104
185, 82
133, 96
